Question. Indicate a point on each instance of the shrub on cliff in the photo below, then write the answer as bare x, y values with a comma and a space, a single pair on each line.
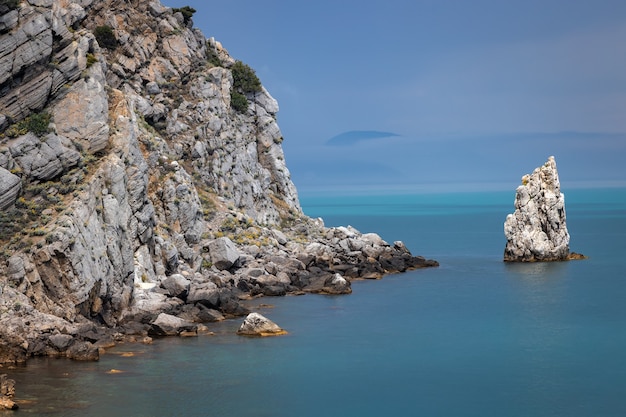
239, 102
245, 82
36, 123
245, 79
212, 56
186, 11
105, 37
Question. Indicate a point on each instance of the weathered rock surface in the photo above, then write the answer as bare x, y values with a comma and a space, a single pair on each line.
40, 52
10, 187
151, 204
256, 324
537, 230
44, 158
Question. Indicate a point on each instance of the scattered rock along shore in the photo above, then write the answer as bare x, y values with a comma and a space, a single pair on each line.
7, 392
257, 325
537, 230
143, 185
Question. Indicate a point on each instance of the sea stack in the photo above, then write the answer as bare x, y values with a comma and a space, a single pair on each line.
537, 230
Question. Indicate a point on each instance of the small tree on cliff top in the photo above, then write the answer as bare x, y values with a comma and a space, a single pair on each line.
245, 79
186, 11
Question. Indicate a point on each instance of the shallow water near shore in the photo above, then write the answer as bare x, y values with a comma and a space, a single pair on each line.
474, 337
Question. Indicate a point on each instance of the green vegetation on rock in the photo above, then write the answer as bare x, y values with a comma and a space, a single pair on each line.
36, 123
212, 56
245, 82
245, 79
238, 102
186, 11
105, 37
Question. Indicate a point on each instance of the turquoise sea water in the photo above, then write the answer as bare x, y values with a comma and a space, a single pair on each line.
474, 337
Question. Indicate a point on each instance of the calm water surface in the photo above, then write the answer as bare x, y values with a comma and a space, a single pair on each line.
474, 337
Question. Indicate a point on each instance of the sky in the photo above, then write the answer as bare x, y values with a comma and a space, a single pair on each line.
436, 94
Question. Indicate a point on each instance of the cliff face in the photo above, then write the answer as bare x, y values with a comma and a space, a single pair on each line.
537, 230
126, 174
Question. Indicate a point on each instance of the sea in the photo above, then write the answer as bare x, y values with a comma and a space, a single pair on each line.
473, 337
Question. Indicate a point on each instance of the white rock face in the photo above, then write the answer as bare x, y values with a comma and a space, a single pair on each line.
537, 230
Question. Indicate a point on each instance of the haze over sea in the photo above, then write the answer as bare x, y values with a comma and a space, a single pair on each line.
474, 337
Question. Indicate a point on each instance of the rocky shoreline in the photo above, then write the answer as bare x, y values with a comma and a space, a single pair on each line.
183, 303
179, 304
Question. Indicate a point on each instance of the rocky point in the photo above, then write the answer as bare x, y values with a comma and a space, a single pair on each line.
143, 185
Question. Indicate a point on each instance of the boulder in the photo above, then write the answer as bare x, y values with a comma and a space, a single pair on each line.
208, 315
537, 230
230, 304
257, 325
61, 341
223, 252
83, 351
337, 284
206, 294
200, 314
177, 286
10, 186
7, 404
168, 325
7, 392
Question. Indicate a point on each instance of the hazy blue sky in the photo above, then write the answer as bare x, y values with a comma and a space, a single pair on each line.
469, 92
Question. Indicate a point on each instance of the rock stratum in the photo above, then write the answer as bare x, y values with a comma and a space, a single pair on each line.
143, 185
537, 230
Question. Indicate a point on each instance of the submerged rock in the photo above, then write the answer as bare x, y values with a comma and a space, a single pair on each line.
537, 230
257, 325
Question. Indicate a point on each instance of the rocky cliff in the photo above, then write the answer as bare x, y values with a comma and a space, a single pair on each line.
537, 230
142, 174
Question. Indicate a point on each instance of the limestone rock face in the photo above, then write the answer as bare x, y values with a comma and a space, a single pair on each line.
537, 230
40, 52
44, 158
